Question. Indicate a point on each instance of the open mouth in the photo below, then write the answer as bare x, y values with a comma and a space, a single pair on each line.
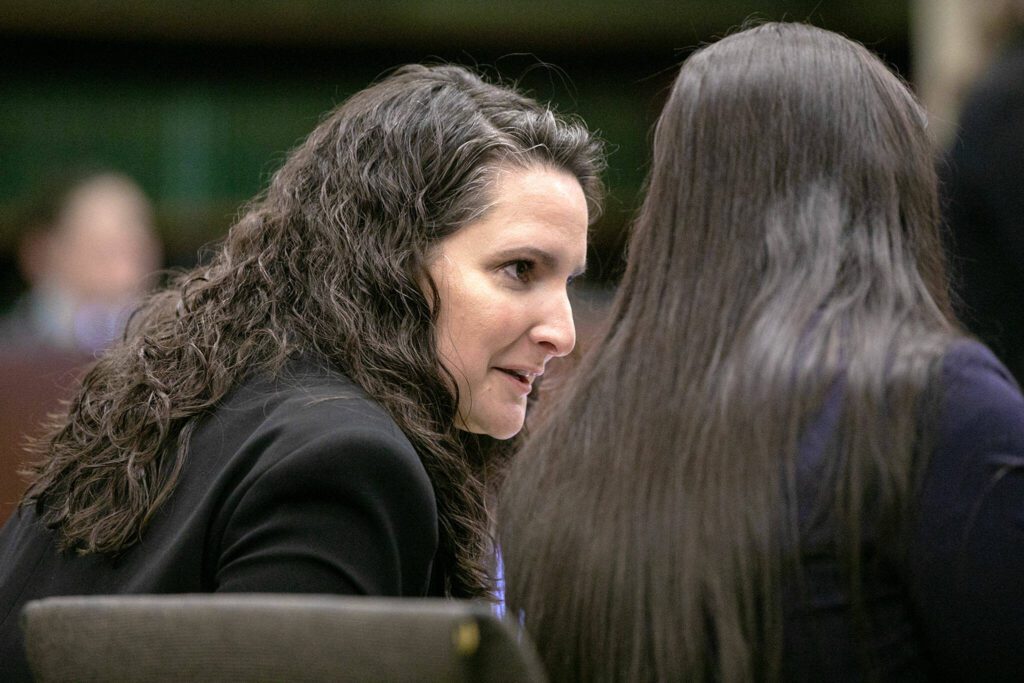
523, 378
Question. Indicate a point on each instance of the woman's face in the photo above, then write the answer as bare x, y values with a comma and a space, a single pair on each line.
503, 284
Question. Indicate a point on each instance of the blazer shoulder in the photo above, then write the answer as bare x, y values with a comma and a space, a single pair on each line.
307, 411
318, 472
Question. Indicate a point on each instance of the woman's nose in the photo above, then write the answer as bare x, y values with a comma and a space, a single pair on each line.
555, 329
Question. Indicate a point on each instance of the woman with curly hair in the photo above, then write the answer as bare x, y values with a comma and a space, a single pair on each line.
787, 460
313, 410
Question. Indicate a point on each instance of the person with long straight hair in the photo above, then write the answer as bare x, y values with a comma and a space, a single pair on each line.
318, 408
783, 459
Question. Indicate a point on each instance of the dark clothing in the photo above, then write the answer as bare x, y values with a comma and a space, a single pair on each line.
299, 484
983, 187
948, 604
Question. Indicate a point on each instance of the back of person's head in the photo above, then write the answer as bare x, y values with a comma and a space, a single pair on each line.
786, 153
787, 247
331, 260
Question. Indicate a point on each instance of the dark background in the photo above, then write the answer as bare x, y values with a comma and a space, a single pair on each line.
201, 100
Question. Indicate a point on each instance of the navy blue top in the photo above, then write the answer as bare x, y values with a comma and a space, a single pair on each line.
949, 605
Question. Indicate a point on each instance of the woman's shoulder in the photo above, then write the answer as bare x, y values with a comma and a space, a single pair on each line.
309, 395
312, 395
313, 486
309, 411
979, 392
970, 358
965, 554
980, 425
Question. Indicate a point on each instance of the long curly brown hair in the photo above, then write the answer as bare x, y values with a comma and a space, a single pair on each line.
327, 260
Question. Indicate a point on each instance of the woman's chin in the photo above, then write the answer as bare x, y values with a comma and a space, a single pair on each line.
501, 429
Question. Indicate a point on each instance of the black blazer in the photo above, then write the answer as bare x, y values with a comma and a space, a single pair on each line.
297, 484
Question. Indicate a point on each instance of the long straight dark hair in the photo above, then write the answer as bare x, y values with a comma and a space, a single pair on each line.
329, 261
787, 248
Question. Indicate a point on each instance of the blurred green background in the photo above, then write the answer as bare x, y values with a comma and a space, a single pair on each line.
201, 100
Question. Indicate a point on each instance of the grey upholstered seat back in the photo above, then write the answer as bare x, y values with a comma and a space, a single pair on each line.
251, 637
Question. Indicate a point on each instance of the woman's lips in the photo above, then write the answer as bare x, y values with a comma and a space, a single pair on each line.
523, 381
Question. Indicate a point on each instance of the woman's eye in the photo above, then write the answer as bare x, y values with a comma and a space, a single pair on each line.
518, 270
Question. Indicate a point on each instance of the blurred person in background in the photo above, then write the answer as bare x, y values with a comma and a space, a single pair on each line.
88, 253
983, 188
784, 460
